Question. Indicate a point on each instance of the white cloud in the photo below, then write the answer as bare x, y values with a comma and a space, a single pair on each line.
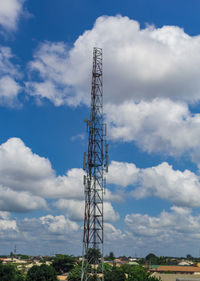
9, 74
59, 224
26, 171
78, 137
173, 232
50, 62
160, 126
23, 171
8, 226
13, 201
75, 210
138, 64
27, 178
10, 11
122, 173
168, 225
112, 233
180, 188
4, 215
47, 234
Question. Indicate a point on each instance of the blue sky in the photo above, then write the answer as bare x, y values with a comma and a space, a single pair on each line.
151, 55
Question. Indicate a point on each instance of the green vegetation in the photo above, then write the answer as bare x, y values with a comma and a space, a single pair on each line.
75, 274
115, 274
93, 253
9, 272
110, 257
63, 263
41, 273
139, 273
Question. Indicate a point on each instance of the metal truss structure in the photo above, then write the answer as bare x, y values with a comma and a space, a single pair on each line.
95, 165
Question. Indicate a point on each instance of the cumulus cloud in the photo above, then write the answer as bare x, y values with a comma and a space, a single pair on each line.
174, 232
168, 225
9, 76
26, 179
8, 225
122, 173
59, 224
51, 65
13, 201
138, 64
149, 75
112, 233
47, 235
23, 170
160, 126
10, 11
75, 209
180, 188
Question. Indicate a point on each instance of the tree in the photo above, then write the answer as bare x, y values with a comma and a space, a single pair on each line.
92, 254
41, 273
116, 274
127, 268
9, 272
23, 257
152, 259
107, 267
110, 257
75, 274
139, 273
189, 257
63, 263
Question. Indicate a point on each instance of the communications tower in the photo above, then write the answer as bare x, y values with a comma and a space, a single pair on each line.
95, 166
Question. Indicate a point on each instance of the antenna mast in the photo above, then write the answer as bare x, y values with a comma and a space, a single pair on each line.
95, 165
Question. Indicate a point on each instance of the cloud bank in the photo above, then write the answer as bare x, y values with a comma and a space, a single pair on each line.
160, 126
139, 64
180, 188
27, 180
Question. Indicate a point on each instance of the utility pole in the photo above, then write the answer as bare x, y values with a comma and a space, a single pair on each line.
95, 165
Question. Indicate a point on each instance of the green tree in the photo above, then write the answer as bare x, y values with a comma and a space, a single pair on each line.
75, 274
93, 254
63, 263
116, 274
189, 257
127, 268
110, 257
9, 272
107, 267
152, 259
41, 273
139, 273
23, 257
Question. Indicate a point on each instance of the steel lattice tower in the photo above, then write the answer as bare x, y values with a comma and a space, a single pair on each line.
95, 166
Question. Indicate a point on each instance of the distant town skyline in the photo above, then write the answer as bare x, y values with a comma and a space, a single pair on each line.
151, 70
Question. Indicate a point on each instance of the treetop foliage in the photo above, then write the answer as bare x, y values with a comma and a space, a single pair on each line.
63, 263
41, 273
